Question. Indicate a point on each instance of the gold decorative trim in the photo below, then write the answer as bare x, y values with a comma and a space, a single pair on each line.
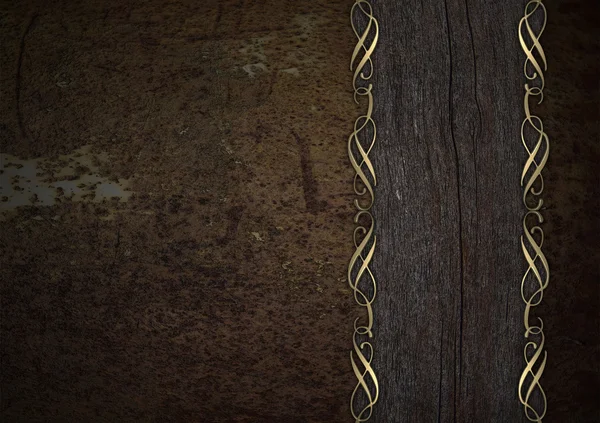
360, 278
536, 278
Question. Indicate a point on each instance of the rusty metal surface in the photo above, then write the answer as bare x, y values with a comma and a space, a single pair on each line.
184, 212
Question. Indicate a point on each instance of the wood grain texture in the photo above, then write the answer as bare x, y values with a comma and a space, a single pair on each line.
448, 322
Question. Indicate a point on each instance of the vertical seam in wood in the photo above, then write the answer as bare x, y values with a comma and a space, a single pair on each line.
477, 136
458, 355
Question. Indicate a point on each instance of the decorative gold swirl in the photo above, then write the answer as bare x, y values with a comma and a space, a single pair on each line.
360, 278
536, 278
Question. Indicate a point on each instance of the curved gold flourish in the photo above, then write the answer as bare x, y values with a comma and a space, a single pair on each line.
536, 278
360, 278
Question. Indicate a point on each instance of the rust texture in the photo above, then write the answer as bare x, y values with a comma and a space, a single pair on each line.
210, 287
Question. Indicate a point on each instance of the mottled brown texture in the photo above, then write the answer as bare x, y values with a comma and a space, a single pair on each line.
571, 308
216, 293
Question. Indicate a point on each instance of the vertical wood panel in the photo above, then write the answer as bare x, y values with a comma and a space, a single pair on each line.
448, 105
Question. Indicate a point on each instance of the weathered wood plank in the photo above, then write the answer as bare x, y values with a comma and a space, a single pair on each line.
448, 317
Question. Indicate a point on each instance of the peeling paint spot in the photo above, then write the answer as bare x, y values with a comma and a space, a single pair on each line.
291, 71
39, 182
253, 68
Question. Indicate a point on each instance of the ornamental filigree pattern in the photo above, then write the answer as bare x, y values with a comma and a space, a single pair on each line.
537, 276
360, 278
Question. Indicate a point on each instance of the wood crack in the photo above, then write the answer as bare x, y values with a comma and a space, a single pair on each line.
458, 356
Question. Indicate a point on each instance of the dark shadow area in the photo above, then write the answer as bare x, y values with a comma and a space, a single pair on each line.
571, 309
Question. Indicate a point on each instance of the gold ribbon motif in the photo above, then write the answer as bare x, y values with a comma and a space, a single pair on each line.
537, 276
361, 280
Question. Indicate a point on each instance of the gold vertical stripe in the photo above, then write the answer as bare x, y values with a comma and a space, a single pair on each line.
537, 276
361, 280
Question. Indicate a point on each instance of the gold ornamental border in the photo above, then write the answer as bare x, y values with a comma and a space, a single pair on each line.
361, 279
537, 276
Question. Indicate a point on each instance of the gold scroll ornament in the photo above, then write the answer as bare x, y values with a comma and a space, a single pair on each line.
360, 278
536, 278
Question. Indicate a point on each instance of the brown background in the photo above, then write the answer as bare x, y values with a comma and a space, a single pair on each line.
215, 291
572, 306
